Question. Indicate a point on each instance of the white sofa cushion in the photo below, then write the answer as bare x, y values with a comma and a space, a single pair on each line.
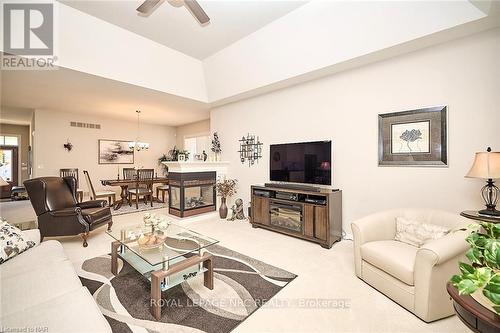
73, 312
49, 252
395, 258
33, 235
37, 286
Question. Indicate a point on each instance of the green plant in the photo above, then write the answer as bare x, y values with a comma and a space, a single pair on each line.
484, 270
226, 187
164, 158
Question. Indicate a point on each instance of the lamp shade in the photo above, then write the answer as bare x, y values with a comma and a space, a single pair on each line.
486, 165
3, 182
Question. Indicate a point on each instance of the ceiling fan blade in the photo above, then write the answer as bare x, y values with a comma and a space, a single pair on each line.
147, 6
197, 11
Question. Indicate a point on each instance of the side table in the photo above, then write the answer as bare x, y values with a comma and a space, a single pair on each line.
475, 316
474, 215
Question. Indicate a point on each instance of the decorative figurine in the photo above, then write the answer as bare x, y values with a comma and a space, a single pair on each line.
68, 145
237, 211
204, 156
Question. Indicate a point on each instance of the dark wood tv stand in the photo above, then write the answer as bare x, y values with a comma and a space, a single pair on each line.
315, 216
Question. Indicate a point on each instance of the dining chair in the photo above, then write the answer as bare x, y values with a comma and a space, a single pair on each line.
143, 187
110, 195
129, 173
72, 172
163, 189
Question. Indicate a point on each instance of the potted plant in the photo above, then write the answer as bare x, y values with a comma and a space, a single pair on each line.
225, 188
481, 278
164, 158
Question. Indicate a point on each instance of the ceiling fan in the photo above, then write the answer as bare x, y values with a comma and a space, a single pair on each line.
149, 6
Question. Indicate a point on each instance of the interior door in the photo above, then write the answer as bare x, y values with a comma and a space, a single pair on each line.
9, 161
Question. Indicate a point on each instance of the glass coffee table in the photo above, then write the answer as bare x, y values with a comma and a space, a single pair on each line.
164, 253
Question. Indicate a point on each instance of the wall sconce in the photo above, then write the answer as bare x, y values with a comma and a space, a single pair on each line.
68, 146
250, 149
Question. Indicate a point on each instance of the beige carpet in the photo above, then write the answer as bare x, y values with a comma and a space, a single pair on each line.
322, 274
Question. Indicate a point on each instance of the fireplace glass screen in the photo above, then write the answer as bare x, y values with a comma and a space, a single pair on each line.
175, 197
198, 196
192, 193
286, 216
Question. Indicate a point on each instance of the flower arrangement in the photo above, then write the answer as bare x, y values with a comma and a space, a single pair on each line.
226, 187
484, 271
216, 148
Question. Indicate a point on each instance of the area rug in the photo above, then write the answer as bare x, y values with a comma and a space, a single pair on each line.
241, 285
126, 209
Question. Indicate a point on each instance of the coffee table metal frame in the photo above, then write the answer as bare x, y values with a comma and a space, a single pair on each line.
159, 275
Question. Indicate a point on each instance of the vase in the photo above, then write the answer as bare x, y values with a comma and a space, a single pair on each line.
223, 208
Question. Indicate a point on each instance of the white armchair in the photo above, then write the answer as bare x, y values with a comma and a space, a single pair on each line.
413, 277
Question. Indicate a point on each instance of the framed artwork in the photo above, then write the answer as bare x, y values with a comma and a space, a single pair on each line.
413, 138
115, 152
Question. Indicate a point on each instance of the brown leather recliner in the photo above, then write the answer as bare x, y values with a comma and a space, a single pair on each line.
59, 213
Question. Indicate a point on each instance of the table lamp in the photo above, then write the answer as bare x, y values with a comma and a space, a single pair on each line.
487, 166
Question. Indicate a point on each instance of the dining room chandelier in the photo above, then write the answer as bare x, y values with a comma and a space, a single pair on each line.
138, 145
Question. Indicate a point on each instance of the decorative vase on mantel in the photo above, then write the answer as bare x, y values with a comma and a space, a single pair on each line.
223, 208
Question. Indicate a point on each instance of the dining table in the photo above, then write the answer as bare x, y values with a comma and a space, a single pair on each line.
125, 183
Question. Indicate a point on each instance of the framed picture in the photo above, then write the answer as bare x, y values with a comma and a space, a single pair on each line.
115, 152
413, 138
181, 158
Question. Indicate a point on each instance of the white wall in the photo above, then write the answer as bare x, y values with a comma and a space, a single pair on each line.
463, 74
93, 46
321, 34
53, 129
87, 44
190, 130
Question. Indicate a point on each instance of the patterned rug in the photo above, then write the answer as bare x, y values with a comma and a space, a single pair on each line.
126, 209
241, 285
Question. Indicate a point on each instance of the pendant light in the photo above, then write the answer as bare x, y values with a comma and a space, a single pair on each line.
137, 144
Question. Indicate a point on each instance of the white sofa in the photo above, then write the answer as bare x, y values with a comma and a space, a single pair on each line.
413, 277
41, 290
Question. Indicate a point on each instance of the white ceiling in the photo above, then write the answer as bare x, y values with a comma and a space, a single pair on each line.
176, 28
65, 89
15, 116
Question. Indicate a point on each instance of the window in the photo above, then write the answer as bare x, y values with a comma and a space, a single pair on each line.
196, 145
8, 140
6, 164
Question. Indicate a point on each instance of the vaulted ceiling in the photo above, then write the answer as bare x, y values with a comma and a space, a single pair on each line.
113, 61
176, 28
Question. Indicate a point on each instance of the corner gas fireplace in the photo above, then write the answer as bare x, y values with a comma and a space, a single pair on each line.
191, 193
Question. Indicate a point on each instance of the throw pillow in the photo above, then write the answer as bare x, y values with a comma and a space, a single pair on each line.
416, 233
11, 241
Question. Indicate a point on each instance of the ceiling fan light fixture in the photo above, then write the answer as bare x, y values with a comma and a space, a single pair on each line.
149, 6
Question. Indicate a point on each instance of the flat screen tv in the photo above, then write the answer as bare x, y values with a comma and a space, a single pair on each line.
306, 162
